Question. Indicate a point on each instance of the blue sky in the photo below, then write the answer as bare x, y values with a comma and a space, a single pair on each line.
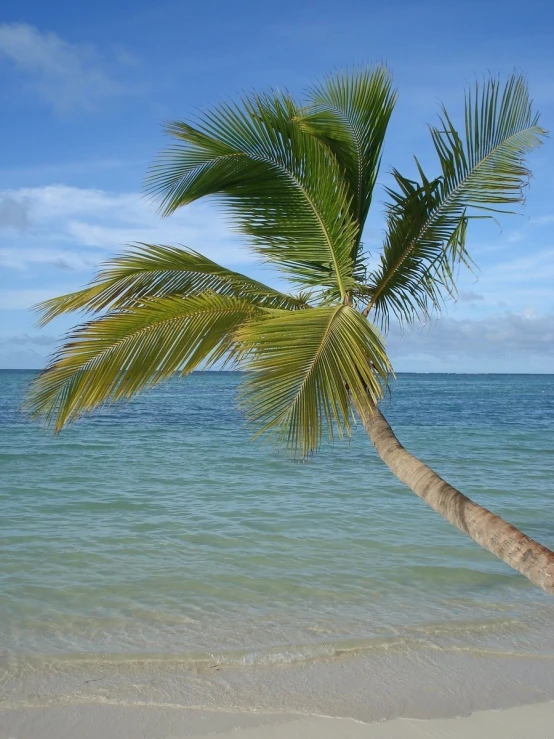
85, 89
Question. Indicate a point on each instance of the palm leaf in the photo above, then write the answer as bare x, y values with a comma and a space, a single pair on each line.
427, 221
425, 274
117, 355
350, 112
284, 189
149, 270
304, 368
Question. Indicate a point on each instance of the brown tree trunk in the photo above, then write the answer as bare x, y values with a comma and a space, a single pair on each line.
487, 529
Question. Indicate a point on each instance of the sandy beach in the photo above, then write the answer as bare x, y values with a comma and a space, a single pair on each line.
383, 696
141, 722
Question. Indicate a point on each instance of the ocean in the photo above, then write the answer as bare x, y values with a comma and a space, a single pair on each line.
156, 538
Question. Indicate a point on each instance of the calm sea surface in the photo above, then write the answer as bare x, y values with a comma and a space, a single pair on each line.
160, 529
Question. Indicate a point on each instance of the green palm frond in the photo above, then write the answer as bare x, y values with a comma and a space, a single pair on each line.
298, 180
427, 221
117, 355
282, 186
151, 270
304, 367
350, 112
423, 275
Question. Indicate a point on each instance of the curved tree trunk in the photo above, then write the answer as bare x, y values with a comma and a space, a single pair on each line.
487, 529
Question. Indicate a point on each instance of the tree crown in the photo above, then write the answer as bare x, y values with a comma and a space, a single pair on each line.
297, 179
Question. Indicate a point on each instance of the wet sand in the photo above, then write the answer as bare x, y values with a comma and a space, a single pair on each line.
390, 696
140, 722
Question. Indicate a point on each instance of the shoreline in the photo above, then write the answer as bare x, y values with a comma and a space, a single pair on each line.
105, 721
381, 695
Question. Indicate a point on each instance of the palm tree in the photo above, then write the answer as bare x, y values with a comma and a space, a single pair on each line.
297, 180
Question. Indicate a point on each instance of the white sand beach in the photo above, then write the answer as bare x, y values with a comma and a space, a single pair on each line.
447, 695
142, 722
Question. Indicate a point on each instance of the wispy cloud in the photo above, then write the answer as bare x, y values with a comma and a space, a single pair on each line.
516, 284
68, 76
73, 260
14, 213
25, 339
470, 297
76, 228
540, 264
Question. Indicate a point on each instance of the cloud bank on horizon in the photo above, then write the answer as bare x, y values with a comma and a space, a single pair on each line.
82, 106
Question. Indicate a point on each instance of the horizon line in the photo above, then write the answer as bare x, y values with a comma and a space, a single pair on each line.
405, 372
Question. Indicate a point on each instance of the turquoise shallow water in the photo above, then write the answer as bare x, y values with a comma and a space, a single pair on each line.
160, 529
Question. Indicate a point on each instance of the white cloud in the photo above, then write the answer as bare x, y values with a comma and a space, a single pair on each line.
76, 228
13, 213
511, 284
68, 76
75, 261
505, 342
520, 342
540, 264
66, 232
